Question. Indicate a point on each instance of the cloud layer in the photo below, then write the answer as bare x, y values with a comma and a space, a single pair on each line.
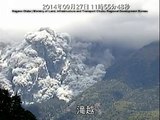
136, 29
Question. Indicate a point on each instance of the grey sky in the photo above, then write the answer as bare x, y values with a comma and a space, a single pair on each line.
136, 29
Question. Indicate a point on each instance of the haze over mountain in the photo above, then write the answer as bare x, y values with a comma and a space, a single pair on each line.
139, 69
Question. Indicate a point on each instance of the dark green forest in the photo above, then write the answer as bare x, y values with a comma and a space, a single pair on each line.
11, 109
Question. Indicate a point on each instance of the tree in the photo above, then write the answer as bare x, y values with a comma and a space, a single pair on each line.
11, 109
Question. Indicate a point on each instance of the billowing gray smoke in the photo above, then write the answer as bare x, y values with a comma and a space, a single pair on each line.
46, 64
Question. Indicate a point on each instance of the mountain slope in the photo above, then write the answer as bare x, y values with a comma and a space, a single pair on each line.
111, 100
140, 69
